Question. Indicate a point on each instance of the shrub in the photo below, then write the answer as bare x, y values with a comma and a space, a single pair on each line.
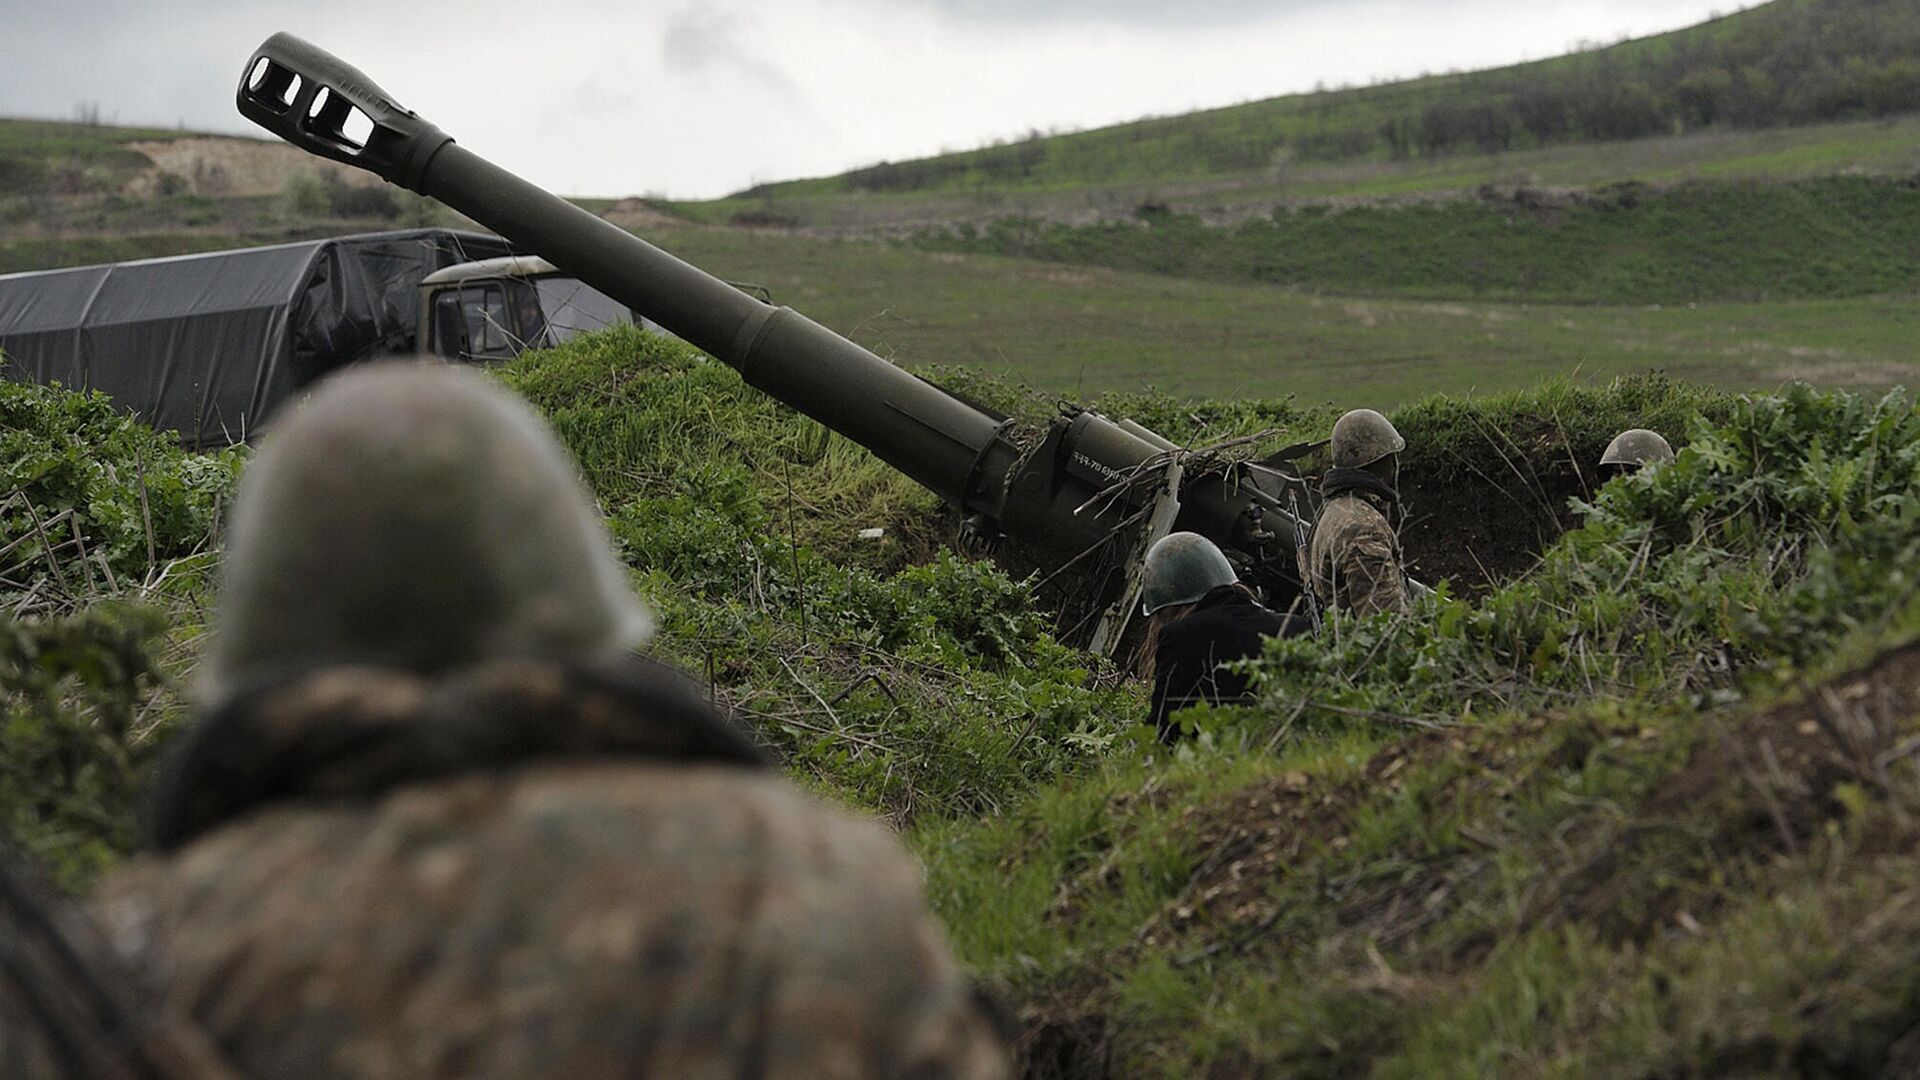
75, 733
80, 476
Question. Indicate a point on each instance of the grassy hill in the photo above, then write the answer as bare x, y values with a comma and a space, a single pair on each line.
1788, 62
79, 193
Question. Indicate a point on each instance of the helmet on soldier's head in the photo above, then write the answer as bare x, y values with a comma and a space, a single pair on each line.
1181, 568
1362, 437
417, 517
1637, 448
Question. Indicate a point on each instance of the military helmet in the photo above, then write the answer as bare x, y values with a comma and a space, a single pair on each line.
420, 517
1637, 448
1362, 437
1181, 568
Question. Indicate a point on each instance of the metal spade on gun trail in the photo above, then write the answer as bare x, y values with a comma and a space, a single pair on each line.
1093, 492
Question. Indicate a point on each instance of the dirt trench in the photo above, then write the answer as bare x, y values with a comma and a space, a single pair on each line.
1479, 534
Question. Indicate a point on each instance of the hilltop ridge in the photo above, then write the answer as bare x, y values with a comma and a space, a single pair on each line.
1784, 63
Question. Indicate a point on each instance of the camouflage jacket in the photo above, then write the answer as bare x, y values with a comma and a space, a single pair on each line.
529, 871
1354, 561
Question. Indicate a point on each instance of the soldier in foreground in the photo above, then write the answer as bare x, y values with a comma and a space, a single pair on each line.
1354, 563
1633, 450
1200, 617
438, 821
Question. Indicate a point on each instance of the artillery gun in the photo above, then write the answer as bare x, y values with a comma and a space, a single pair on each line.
1092, 492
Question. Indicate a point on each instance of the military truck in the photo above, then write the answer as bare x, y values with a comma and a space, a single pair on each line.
210, 345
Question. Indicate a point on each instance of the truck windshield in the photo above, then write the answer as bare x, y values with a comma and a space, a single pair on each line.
574, 308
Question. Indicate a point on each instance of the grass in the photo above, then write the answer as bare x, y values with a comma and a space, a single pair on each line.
1446, 846
1811, 239
51, 252
1882, 147
1080, 331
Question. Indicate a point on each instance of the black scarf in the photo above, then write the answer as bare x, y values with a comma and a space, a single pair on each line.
1341, 481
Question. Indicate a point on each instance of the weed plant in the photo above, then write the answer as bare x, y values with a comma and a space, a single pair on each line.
108, 538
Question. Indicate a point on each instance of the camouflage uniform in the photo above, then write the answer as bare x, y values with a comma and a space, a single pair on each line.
1354, 561
530, 872
514, 850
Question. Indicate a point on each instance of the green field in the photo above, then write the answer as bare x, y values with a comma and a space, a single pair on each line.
1807, 239
1073, 330
1889, 146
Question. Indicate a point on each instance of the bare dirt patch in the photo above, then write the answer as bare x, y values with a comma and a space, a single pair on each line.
215, 166
639, 215
1478, 535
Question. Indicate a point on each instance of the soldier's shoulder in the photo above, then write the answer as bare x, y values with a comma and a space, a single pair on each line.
501, 833
1350, 512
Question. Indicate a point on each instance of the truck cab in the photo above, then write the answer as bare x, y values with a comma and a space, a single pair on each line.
496, 309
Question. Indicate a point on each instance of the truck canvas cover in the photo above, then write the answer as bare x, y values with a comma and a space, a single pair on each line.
209, 345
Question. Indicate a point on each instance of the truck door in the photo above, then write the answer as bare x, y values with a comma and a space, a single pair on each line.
485, 320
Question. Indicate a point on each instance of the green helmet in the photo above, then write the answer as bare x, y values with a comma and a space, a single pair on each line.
1181, 568
415, 516
1637, 448
1362, 437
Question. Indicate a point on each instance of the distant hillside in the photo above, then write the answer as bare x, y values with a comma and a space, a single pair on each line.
1790, 62
56, 158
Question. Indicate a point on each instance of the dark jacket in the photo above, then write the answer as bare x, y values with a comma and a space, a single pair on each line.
1226, 625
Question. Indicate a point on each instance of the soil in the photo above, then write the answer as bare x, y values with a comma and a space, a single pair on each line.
1764, 785
1477, 534
1771, 775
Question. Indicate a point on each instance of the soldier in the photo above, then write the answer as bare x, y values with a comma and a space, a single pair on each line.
437, 820
1199, 617
1354, 561
1633, 450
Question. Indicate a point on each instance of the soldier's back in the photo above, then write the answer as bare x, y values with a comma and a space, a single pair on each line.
1355, 557
421, 914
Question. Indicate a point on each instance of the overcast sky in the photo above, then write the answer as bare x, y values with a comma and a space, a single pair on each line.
700, 98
